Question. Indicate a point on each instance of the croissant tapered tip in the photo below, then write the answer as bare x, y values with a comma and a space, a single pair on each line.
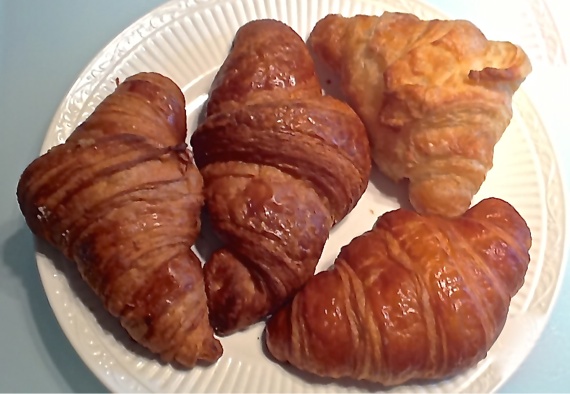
325, 39
211, 350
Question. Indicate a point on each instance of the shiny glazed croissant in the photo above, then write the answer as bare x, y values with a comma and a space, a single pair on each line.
435, 97
281, 164
417, 297
122, 198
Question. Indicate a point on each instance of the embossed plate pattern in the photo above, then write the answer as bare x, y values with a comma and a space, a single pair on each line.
188, 40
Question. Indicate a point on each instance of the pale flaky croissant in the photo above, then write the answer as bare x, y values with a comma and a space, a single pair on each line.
281, 164
417, 297
435, 97
122, 198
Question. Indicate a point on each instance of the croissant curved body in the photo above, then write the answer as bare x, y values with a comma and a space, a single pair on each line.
417, 297
281, 164
122, 198
435, 97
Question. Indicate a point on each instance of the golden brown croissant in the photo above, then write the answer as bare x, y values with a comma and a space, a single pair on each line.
435, 97
122, 199
417, 297
281, 164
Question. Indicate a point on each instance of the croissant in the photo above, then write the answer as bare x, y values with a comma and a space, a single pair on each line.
281, 164
435, 97
417, 297
122, 198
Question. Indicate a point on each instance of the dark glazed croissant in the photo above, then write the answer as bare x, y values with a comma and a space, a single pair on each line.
281, 164
435, 97
417, 297
122, 198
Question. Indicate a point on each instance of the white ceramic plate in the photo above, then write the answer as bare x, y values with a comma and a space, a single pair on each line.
188, 40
